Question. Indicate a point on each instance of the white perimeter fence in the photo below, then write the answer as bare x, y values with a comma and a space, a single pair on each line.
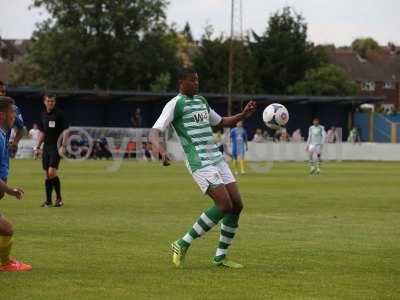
269, 151
296, 151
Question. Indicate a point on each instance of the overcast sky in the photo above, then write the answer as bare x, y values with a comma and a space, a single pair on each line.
330, 21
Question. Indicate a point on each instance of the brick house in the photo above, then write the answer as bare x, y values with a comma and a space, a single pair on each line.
376, 75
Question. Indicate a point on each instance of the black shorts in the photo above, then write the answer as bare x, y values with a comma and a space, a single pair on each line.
50, 157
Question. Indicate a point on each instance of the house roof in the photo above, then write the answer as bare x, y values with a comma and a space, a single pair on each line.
381, 65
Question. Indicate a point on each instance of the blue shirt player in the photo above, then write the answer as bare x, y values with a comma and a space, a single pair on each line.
19, 132
7, 120
239, 146
18, 125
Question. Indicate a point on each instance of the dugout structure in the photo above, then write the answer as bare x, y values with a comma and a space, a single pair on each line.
114, 108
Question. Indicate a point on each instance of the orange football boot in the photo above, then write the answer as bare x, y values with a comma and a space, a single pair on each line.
15, 266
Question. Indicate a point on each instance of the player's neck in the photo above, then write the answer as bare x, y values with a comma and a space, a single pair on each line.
189, 95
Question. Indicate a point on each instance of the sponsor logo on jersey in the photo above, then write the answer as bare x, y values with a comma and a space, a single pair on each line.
200, 116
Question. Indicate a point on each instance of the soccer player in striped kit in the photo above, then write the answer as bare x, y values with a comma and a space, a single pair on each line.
192, 119
315, 141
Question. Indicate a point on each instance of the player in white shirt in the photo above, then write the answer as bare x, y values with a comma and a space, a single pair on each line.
34, 132
315, 141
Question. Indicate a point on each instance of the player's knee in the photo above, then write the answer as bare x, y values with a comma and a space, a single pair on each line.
52, 173
226, 207
238, 207
6, 230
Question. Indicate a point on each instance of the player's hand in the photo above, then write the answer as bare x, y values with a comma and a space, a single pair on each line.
249, 109
36, 153
16, 192
165, 158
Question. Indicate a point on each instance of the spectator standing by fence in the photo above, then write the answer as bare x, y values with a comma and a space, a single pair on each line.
258, 136
136, 119
34, 132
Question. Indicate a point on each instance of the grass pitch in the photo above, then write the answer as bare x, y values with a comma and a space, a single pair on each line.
336, 236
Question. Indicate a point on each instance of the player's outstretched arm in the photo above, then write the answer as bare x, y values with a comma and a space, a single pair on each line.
157, 148
249, 109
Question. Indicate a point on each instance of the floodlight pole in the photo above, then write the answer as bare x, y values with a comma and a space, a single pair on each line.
230, 76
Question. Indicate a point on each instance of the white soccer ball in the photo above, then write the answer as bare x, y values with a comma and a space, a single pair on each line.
275, 116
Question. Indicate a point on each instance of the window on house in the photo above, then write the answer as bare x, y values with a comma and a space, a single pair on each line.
388, 85
368, 86
4, 53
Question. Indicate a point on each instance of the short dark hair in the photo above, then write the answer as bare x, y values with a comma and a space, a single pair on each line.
6, 102
1, 83
185, 72
50, 95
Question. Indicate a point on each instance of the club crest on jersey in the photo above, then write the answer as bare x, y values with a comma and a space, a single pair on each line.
200, 116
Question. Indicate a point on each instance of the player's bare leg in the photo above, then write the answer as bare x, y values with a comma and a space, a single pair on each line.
236, 199
221, 198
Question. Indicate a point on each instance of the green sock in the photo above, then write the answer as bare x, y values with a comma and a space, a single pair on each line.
229, 225
208, 219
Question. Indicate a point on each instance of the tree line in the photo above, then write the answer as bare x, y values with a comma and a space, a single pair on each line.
128, 45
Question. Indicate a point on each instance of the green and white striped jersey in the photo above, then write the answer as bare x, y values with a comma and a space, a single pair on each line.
192, 119
316, 135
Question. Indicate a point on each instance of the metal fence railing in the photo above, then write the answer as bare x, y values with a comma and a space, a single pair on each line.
385, 130
376, 127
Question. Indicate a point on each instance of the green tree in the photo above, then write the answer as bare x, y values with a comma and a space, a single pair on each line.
363, 45
162, 83
211, 62
103, 43
283, 53
187, 33
327, 80
26, 73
